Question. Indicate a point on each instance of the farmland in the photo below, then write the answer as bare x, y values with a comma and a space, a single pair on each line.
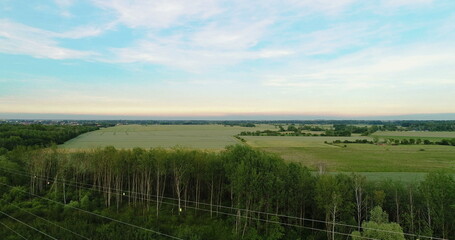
213, 137
414, 134
388, 173
312, 151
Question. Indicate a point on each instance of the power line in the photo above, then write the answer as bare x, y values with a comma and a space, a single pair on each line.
45, 234
98, 215
18, 234
233, 208
229, 214
247, 217
66, 229
234, 215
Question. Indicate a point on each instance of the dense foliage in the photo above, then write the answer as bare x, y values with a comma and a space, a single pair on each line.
12, 135
239, 193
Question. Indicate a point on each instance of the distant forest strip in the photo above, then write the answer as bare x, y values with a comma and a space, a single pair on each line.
336, 130
403, 125
245, 194
401, 141
418, 141
13, 135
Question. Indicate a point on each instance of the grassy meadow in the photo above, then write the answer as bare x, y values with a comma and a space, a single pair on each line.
213, 137
433, 136
312, 151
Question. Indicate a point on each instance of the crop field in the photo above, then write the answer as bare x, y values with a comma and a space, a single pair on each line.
214, 137
415, 134
402, 162
313, 152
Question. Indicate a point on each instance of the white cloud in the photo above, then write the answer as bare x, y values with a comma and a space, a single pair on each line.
85, 31
379, 68
401, 3
212, 45
234, 36
336, 38
160, 13
188, 58
16, 38
329, 7
64, 6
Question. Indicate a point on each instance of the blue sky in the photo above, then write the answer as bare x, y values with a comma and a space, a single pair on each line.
215, 58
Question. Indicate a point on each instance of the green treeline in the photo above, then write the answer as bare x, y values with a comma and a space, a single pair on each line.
239, 193
337, 130
418, 141
12, 135
400, 141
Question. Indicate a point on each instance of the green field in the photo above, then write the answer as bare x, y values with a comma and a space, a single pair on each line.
402, 161
214, 137
434, 136
407, 177
313, 152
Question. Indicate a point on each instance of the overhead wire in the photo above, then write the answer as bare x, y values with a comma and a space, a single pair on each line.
18, 234
224, 213
234, 208
66, 229
45, 234
98, 215
242, 216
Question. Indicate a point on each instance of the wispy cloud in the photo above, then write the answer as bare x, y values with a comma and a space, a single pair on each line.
401, 3
84, 31
213, 45
16, 38
232, 37
193, 60
159, 14
372, 68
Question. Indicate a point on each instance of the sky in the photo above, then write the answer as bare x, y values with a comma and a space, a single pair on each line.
173, 58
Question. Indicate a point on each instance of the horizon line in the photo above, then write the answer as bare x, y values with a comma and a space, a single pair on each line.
226, 117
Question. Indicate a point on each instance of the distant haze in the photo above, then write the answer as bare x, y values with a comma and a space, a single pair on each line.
446, 116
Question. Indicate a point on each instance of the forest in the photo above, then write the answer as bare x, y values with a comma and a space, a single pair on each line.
238, 193
40, 135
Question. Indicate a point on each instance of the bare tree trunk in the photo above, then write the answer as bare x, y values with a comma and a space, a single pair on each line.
211, 199
237, 222
333, 221
157, 192
358, 190
185, 196
177, 185
246, 222
64, 192
162, 189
